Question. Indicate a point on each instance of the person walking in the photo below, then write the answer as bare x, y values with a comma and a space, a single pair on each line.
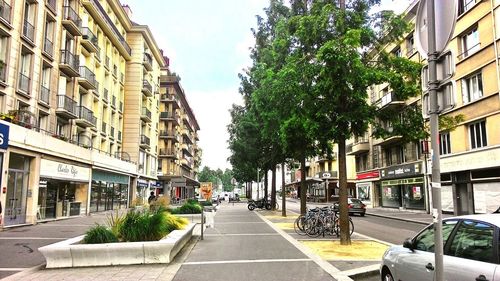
151, 197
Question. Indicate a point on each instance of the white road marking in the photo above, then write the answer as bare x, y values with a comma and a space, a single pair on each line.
245, 261
13, 268
244, 234
33, 238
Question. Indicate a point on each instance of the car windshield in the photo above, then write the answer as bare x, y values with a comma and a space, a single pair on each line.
355, 201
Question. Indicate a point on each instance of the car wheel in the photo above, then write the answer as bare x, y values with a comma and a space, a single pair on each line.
268, 206
387, 276
362, 214
251, 207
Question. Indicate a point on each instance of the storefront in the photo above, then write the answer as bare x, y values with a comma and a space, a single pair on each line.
403, 186
110, 191
366, 190
18, 195
142, 190
62, 190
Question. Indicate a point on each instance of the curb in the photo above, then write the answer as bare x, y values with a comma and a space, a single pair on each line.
399, 219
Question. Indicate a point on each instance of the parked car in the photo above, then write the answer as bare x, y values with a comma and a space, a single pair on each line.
471, 252
355, 206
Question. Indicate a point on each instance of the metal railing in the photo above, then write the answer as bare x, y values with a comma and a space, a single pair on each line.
5, 11
145, 140
86, 114
70, 14
87, 74
167, 151
148, 59
469, 51
68, 58
147, 85
67, 104
48, 47
111, 24
44, 94
167, 114
87, 34
24, 83
29, 31
146, 112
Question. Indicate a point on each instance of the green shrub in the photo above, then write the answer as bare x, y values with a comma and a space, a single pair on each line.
115, 221
192, 201
190, 209
205, 203
99, 234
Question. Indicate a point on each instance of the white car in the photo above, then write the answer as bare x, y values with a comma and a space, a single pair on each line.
471, 252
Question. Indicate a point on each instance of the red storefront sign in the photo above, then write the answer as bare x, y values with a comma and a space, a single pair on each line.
368, 175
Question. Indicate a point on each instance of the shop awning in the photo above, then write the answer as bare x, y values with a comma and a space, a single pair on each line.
308, 181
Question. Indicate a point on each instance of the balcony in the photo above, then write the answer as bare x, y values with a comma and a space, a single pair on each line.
52, 5
148, 61
169, 116
48, 47
187, 150
29, 31
187, 163
24, 84
23, 118
44, 95
145, 142
69, 64
71, 21
168, 153
167, 98
169, 135
146, 115
86, 117
98, 12
66, 107
5, 11
96, 93
89, 40
389, 100
359, 147
82, 140
187, 136
147, 88
390, 139
87, 78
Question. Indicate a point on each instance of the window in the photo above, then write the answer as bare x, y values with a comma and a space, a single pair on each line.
24, 73
29, 21
45, 85
362, 162
397, 52
470, 43
410, 46
478, 135
444, 143
473, 240
425, 240
43, 121
3, 56
472, 88
465, 5
48, 45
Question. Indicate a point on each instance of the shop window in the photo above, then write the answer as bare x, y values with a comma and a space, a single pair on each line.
477, 132
472, 88
444, 143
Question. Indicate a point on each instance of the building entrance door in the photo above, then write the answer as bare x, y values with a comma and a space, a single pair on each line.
15, 211
462, 199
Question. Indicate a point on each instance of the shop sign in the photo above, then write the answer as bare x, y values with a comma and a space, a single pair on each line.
142, 184
179, 182
53, 169
327, 174
4, 136
42, 184
401, 171
367, 175
403, 181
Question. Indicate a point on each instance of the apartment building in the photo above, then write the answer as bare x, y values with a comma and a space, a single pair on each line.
142, 108
70, 145
396, 174
179, 157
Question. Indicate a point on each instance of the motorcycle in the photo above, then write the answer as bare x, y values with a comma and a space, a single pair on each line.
261, 204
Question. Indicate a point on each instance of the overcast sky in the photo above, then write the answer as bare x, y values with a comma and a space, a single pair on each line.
207, 43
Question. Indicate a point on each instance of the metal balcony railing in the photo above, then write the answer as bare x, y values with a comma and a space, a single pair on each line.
147, 85
70, 14
86, 114
29, 31
87, 74
68, 58
148, 59
5, 11
145, 140
44, 94
67, 104
48, 47
87, 34
146, 112
24, 83
167, 151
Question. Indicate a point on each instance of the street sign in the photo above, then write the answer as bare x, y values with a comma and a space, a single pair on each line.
4, 136
446, 14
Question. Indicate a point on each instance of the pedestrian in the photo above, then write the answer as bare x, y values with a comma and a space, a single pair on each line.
151, 197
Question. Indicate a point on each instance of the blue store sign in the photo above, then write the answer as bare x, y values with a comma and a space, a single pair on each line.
4, 136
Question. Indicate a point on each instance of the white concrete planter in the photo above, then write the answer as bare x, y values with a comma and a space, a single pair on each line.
69, 253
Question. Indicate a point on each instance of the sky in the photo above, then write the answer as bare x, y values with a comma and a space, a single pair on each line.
208, 45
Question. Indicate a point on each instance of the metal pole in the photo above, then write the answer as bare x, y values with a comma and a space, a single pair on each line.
436, 173
258, 184
202, 222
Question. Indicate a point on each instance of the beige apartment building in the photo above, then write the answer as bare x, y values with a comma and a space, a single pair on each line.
179, 156
70, 145
396, 175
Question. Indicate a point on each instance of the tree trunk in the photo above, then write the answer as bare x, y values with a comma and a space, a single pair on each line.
273, 187
283, 191
266, 194
303, 187
345, 238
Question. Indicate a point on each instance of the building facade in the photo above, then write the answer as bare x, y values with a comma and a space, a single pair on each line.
397, 175
76, 110
179, 154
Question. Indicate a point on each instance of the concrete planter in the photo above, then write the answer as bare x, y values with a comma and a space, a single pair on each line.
69, 253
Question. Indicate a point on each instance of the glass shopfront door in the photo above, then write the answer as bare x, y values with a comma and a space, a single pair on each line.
17, 189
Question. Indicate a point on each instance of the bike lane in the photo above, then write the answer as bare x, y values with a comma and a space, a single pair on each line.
242, 246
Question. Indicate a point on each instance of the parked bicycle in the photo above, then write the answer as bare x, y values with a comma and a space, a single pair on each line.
320, 221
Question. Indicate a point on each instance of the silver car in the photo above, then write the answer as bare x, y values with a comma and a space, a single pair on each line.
471, 252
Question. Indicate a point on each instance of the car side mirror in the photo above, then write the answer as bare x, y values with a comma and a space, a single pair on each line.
408, 243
